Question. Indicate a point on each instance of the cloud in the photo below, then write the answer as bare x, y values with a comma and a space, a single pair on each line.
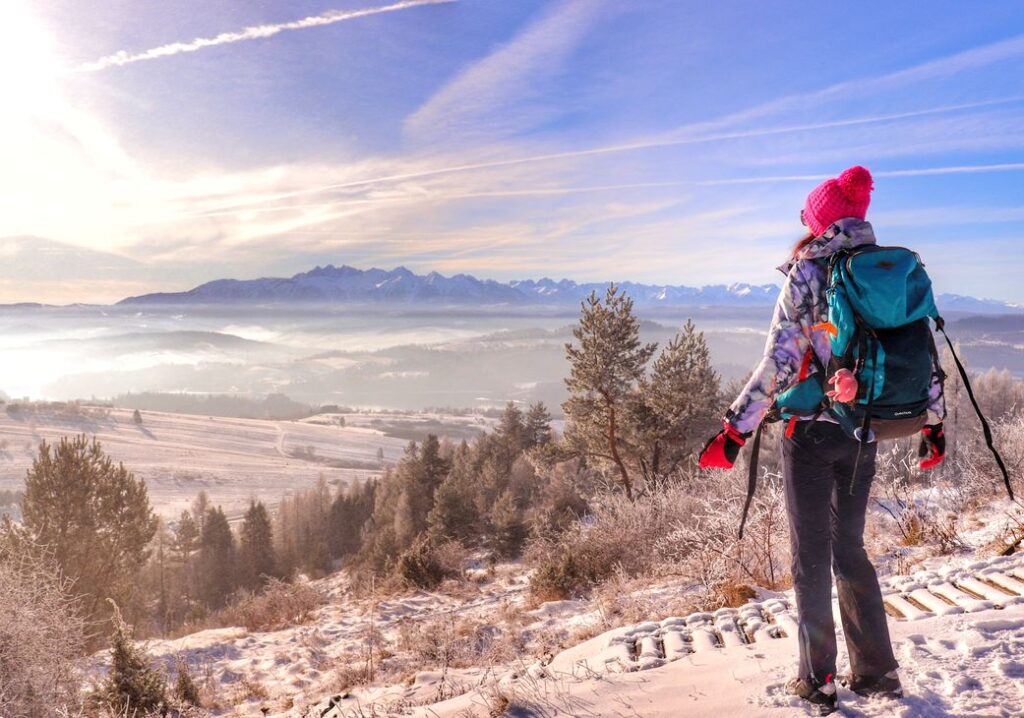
637, 145
502, 94
844, 92
509, 207
254, 32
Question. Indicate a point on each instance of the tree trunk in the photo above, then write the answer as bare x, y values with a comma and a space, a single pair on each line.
613, 445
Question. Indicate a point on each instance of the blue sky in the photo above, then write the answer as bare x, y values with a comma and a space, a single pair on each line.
654, 140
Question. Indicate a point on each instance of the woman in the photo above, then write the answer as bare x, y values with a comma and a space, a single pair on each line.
826, 519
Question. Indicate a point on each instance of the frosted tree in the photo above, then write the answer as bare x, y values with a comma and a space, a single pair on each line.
94, 516
41, 633
606, 364
133, 686
511, 429
538, 425
509, 529
678, 405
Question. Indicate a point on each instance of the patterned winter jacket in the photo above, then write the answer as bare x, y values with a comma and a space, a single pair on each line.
801, 306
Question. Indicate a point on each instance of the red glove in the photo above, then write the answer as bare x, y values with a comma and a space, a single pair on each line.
933, 446
721, 451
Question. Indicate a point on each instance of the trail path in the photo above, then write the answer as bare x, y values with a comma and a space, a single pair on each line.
958, 634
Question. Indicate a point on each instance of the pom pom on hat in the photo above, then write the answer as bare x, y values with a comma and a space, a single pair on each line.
845, 196
856, 184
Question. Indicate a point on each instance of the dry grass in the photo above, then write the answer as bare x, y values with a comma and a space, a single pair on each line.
280, 605
735, 595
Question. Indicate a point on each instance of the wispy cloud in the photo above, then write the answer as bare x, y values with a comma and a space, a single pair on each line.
950, 65
638, 145
502, 93
254, 32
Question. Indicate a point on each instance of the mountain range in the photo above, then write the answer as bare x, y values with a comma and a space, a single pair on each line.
330, 284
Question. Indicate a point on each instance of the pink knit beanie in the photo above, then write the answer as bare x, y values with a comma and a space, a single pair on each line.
847, 195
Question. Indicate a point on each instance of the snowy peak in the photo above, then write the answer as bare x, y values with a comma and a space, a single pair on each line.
348, 284
331, 284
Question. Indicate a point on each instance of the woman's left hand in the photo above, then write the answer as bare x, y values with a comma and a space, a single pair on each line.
845, 383
723, 448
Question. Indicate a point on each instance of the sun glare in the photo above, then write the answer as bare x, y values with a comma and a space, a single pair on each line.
29, 65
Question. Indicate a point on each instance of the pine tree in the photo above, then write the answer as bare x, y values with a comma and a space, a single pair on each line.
133, 687
454, 514
349, 513
605, 368
200, 508
186, 537
679, 404
434, 464
417, 476
511, 429
93, 514
507, 525
538, 425
185, 688
216, 559
161, 558
256, 547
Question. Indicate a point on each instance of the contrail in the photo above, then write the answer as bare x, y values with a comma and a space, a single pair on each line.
254, 32
917, 172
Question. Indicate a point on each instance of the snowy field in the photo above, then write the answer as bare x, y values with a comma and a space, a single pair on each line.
231, 459
957, 624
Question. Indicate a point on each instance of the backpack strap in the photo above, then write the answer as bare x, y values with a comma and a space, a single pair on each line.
865, 429
940, 324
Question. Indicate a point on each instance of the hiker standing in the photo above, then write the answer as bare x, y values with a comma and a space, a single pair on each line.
828, 453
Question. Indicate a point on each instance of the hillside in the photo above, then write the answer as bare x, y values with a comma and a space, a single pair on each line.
957, 625
231, 459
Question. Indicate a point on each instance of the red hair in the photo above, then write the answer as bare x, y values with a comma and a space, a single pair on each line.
801, 243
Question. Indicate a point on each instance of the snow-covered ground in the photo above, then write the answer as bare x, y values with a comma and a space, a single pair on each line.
231, 459
957, 624
968, 661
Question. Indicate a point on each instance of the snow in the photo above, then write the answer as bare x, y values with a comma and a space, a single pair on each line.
730, 662
966, 664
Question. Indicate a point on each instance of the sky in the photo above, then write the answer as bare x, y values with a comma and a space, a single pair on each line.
154, 146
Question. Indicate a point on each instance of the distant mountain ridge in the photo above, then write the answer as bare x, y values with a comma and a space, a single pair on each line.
349, 284
330, 284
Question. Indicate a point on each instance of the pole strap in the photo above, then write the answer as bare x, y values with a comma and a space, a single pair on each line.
985, 428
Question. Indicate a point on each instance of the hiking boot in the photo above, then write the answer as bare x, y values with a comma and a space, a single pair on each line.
887, 686
821, 697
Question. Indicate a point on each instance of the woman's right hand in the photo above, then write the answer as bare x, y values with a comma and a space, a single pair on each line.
933, 446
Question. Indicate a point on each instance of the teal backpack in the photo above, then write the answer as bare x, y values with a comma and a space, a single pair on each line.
880, 303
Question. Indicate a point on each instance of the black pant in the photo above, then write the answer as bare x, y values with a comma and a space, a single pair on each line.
826, 530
